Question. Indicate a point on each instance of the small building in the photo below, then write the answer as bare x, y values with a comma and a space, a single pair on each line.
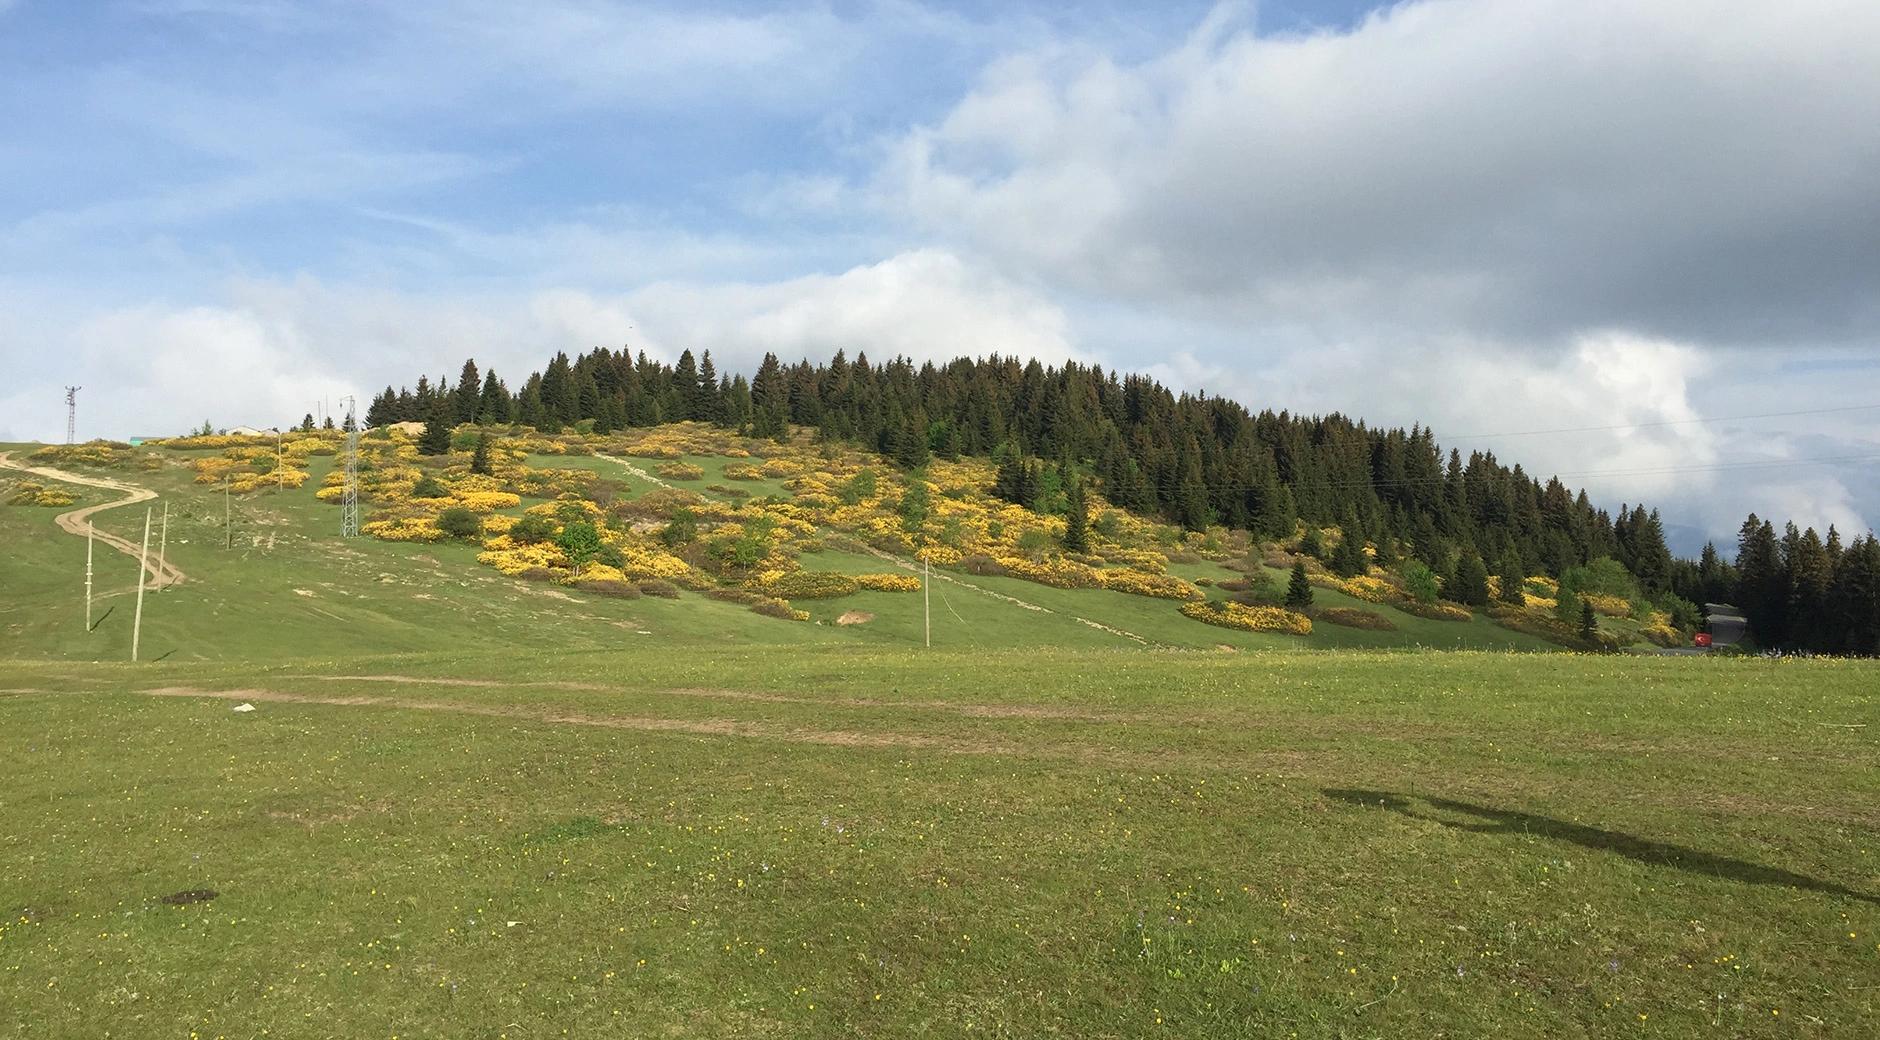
1725, 624
247, 431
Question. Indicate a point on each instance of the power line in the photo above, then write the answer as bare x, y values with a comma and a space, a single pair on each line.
1667, 422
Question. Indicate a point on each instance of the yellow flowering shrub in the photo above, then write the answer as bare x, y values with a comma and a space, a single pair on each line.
404, 529
644, 560
1159, 586
681, 471
1659, 630
29, 493
1251, 619
99, 454
778, 467
600, 572
512, 559
243, 483
739, 471
303, 446
888, 582
484, 501
1056, 572
1608, 606
1542, 585
1369, 589
806, 584
211, 441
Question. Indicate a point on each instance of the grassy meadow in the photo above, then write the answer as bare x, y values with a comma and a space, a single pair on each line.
468, 805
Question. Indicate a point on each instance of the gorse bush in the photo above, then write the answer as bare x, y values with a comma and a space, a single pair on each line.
807, 584
681, 471
1352, 617
1251, 619
29, 493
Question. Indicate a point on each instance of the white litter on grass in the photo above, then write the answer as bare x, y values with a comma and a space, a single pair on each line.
244, 706
512, 924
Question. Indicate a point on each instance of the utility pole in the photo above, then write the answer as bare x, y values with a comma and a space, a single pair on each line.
349, 498
228, 517
71, 414
163, 544
280, 459
926, 598
143, 564
89, 531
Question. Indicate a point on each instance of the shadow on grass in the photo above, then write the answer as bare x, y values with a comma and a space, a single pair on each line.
1644, 850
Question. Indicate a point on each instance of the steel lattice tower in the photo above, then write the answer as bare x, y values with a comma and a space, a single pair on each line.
71, 414
349, 502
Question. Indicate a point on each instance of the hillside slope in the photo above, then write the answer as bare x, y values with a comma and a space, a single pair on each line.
701, 537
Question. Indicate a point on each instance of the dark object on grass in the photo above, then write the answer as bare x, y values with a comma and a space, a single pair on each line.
188, 896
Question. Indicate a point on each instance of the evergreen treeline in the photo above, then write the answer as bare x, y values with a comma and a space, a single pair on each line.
1193, 459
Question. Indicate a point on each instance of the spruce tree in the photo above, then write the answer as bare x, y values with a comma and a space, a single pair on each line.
493, 402
1348, 560
1567, 606
1076, 518
1471, 581
436, 437
469, 393
1298, 588
1512, 580
480, 459
1589, 622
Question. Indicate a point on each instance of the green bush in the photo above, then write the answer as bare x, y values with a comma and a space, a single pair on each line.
459, 522
532, 529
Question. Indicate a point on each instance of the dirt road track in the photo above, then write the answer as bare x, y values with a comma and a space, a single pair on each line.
76, 521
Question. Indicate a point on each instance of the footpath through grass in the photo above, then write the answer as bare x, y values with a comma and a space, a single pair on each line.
841, 840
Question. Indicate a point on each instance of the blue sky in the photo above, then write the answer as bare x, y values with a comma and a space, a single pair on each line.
1493, 216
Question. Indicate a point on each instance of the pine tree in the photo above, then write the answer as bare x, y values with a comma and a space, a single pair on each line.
1513, 577
1761, 584
1076, 518
685, 381
436, 437
708, 402
480, 459
1298, 587
1811, 580
469, 393
1567, 606
1348, 560
1471, 581
1589, 622
306, 423
493, 402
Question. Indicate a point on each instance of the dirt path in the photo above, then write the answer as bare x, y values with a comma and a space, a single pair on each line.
633, 469
76, 521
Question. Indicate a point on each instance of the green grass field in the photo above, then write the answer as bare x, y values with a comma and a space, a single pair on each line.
469, 806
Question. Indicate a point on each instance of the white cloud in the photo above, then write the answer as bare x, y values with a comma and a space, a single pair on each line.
926, 304
1683, 167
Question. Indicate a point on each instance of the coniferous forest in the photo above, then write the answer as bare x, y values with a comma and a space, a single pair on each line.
1198, 460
